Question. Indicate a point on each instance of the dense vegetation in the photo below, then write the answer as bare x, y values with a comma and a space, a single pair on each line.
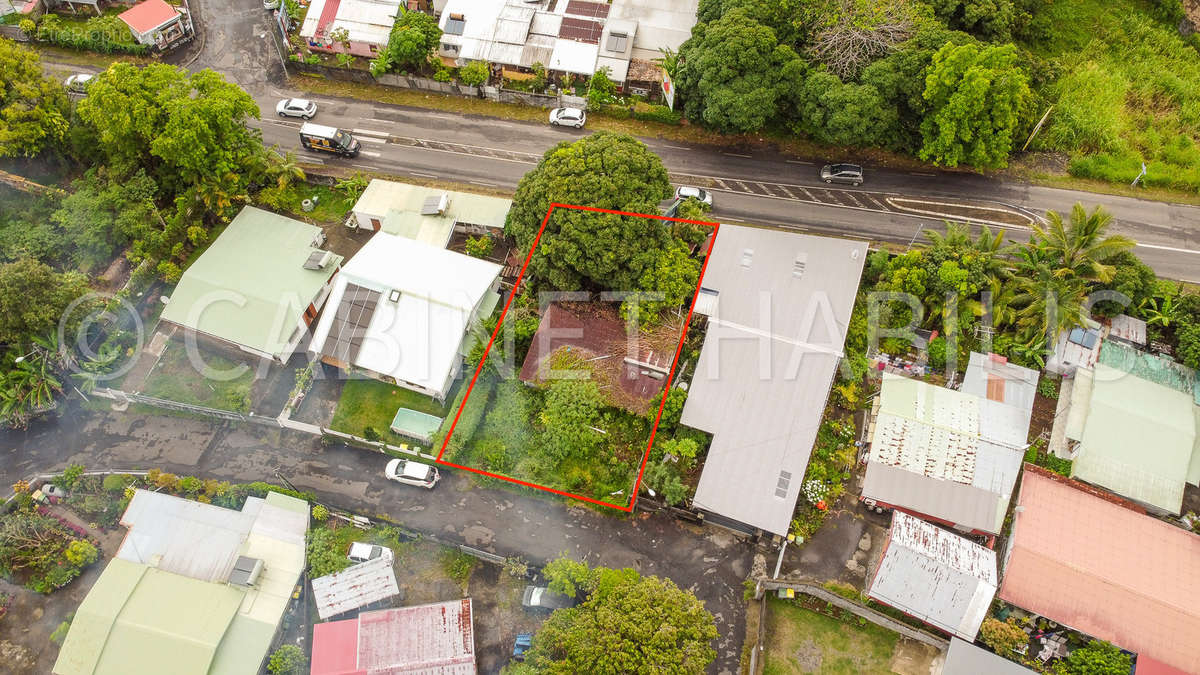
956, 81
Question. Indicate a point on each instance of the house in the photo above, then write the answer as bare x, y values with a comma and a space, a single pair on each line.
426, 214
951, 456
258, 287
1134, 417
570, 37
155, 23
357, 586
367, 25
1100, 565
964, 658
434, 638
200, 587
777, 305
401, 311
936, 576
1076, 348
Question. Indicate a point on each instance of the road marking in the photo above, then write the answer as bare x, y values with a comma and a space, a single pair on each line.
797, 161
920, 173
1169, 248
368, 132
311, 160
285, 123
368, 139
734, 154
364, 166
423, 175
368, 153
475, 182
376, 119
732, 220
676, 147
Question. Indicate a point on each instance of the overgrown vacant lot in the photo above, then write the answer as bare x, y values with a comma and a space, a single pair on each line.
1127, 90
801, 641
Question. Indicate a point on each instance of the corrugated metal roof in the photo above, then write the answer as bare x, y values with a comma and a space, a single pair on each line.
181, 536
964, 658
383, 197
434, 639
1128, 328
1105, 570
944, 453
356, 586
939, 577
995, 378
546, 23
761, 392
1152, 367
570, 56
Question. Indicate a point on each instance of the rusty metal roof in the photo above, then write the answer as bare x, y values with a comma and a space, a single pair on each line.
356, 586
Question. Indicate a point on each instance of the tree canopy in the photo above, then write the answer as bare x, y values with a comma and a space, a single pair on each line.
413, 38
33, 298
33, 108
627, 624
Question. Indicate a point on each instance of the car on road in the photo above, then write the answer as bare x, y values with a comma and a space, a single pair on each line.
320, 138
686, 191
523, 643
296, 107
541, 597
568, 117
851, 174
411, 473
78, 81
360, 552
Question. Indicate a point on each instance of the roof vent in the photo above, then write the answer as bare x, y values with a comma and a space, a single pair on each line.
799, 264
747, 257
318, 260
246, 571
394, 295
781, 487
435, 205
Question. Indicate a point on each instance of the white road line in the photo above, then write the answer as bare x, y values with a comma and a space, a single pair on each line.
796, 161
311, 160
368, 153
1169, 248
676, 147
424, 175
368, 139
734, 154
364, 166
476, 182
919, 173
732, 220
369, 132
285, 123
376, 119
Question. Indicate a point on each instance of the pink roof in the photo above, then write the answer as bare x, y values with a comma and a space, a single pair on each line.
335, 648
146, 16
1105, 569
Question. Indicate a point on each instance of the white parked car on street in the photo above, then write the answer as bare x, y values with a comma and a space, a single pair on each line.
568, 117
360, 552
685, 191
411, 473
78, 81
296, 107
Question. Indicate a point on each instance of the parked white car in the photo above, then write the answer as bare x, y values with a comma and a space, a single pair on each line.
686, 191
78, 81
296, 107
411, 473
270, 4
568, 117
360, 552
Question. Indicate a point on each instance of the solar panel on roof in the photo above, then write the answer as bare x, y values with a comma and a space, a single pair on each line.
581, 30
350, 323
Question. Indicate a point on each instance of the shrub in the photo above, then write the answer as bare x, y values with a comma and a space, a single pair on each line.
28, 27
457, 565
320, 513
538, 83
1097, 658
166, 481
660, 114
480, 247
190, 485
516, 567
81, 553
117, 482
1002, 637
475, 73
326, 553
370, 434
1047, 387
169, 272
443, 74
70, 476
287, 660
313, 59
60, 633
238, 399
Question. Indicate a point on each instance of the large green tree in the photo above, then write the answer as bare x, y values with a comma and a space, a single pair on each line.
995, 20
103, 214
572, 407
734, 74
413, 38
1097, 658
33, 298
585, 249
628, 624
847, 114
33, 108
1081, 247
976, 97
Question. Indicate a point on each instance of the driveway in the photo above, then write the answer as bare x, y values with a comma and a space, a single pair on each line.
709, 561
236, 43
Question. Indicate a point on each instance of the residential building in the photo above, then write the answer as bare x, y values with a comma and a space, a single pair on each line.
195, 589
951, 456
778, 306
435, 638
568, 37
367, 25
1134, 419
155, 23
1096, 563
401, 311
426, 214
936, 576
355, 587
964, 658
258, 287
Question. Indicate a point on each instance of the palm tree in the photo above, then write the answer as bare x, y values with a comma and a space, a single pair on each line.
286, 169
1081, 248
1046, 302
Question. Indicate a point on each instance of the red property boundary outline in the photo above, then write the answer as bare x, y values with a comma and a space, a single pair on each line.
666, 389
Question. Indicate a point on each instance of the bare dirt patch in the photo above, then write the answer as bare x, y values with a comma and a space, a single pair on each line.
499, 616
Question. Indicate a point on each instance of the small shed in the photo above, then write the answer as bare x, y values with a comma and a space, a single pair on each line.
155, 23
355, 587
1128, 329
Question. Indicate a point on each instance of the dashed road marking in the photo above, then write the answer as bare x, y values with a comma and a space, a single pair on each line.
368, 153
369, 132
476, 182
364, 166
921, 173
797, 161
368, 139
425, 175
736, 154
1169, 248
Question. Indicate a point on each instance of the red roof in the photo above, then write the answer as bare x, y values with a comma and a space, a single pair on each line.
146, 16
335, 648
1105, 570
435, 639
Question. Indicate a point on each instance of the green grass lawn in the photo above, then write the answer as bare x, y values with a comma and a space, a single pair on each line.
332, 206
176, 379
371, 403
802, 641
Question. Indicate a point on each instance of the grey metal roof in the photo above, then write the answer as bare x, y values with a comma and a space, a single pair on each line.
964, 658
995, 379
768, 360
356, 586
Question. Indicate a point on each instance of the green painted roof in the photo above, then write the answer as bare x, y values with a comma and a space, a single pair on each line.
1152, 367
387, 198
432, 230
136, 619
1138, 439
285, 502
250, 287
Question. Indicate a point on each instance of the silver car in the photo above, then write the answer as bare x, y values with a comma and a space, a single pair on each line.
686, 191
78, 82
296, 107
411, 473
541, 597
851, 174
568, 117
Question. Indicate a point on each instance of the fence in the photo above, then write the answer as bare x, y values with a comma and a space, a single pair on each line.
229, 415
13, 33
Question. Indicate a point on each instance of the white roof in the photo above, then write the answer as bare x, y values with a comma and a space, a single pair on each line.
761, 392
356, 586
994, 377
945, 453
661, 25
367, 21
936, 576
416, 338
570, 56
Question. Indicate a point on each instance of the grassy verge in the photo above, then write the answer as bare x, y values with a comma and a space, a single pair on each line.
53, 54
802, 641
177, 379
371, 403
